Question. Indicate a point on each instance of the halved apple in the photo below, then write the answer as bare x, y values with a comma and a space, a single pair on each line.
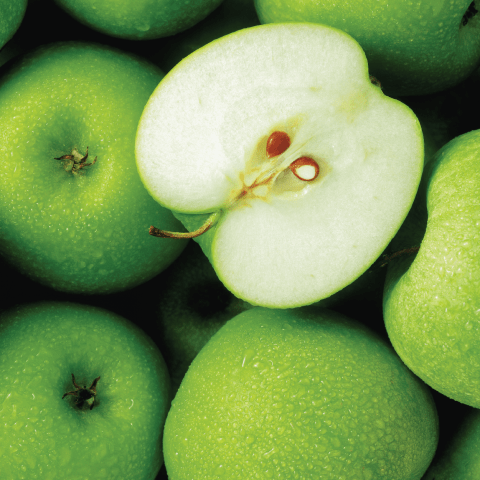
283, 158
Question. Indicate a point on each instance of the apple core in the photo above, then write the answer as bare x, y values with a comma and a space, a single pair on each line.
305, 168
261, 178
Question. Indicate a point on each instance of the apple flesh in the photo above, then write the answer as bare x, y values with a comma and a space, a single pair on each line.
291, 222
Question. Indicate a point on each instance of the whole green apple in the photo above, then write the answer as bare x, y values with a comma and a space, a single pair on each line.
84, 394
139, 19
11, 15
73, 210
431, 300
412, 48
287, 164
303, 393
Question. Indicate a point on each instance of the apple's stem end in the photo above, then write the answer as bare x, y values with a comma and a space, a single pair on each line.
209, 223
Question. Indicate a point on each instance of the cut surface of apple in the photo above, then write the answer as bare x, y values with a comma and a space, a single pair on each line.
277, 137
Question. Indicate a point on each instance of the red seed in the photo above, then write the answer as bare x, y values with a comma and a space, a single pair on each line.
277, 143
305, 168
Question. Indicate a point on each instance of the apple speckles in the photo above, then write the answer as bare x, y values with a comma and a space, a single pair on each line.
300, 394
51, 338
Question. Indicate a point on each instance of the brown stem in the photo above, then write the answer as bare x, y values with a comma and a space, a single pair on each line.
406, 251
211, 220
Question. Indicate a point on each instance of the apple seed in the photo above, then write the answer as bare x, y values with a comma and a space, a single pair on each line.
277, 143
305, 168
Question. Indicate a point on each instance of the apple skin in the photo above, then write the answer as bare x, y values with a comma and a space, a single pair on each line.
302, 393
460, 459
192, 304
44, 436
230, 16
78, 233
431, 299
139, 19
11, 16
413, 48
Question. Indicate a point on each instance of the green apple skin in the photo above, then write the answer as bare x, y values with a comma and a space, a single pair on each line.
413, 48
79, 233
44, 436
139, 19
302, 393
431, 299
230, 16
460, 460
192, 305
11, 16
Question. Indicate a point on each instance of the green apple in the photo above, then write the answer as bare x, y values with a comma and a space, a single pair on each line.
460, 460
412, 48
84, 394
76, 223
230, 16
192, 305
11, 16
431, 299
139, 19
287, 164
302, 393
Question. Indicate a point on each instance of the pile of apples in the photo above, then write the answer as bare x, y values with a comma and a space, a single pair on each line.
240, 240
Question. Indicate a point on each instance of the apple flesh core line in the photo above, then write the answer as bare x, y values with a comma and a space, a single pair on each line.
304, 168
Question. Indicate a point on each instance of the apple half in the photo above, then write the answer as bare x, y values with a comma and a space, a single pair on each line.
283, 158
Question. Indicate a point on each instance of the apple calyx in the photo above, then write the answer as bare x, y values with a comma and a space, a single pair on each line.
76, 161
303, 168
469, 14
83, 394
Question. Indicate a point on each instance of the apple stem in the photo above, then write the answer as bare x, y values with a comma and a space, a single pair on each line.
210, 222
384, 260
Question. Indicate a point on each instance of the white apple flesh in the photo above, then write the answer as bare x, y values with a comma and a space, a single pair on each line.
304, 167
